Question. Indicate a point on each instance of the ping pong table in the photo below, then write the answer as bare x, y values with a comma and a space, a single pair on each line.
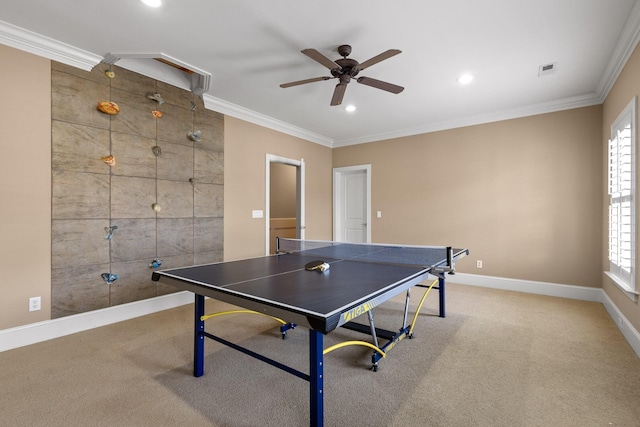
320, 285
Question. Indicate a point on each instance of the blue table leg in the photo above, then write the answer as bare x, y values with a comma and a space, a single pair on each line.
316, 375
442, 296
198, 337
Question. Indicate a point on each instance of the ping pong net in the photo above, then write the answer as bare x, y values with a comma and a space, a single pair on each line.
329, 251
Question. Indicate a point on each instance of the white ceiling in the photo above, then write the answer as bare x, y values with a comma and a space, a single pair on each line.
249, 47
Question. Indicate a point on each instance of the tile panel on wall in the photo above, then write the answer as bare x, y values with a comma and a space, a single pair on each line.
79, 195
90, 198
76, 147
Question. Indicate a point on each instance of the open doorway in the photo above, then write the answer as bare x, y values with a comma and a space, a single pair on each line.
284, 200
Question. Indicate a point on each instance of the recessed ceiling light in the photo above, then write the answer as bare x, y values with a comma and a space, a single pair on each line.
152, 3
350, 108
465, 79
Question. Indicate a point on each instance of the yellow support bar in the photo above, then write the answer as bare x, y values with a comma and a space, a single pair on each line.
346, 343
223, 313
415, 316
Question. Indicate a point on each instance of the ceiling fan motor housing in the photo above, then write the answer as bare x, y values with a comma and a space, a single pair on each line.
344, 50
348, 67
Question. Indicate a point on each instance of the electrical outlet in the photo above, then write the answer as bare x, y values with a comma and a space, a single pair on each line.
35, 304
479, 263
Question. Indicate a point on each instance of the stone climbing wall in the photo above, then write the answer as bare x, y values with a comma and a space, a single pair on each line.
91, 198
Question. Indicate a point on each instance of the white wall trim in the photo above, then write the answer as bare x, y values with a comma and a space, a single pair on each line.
227, 108
623, 49
490, 117
21, 336
37, 44
628, 331
582, 293
46, 47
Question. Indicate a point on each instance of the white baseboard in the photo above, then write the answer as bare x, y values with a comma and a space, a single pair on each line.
582, 293
21, 336
41, 331
628, 331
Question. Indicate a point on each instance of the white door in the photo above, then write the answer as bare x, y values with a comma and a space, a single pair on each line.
351, 204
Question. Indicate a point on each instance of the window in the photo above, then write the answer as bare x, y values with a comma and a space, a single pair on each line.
622, 200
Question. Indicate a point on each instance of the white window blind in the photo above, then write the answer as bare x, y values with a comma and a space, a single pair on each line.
622, 196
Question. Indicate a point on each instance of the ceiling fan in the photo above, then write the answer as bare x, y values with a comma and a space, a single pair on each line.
345, 69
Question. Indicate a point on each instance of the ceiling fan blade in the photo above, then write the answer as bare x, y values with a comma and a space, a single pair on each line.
384, 55
320, 58
338, 94
379, 84
301, 82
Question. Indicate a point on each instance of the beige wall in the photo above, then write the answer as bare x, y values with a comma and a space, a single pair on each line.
626, 87
246, 147
282, 198
523, 195
25, 186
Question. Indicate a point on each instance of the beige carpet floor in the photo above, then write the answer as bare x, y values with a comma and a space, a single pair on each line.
499, 359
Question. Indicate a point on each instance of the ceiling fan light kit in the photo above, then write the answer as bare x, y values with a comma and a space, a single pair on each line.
345, 69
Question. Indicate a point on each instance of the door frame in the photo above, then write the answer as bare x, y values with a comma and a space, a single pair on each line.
300, 196
338, 178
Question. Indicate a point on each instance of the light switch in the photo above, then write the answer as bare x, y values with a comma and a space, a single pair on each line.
379, 214
257, 214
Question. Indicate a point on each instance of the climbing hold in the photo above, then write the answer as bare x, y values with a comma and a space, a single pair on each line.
109, 278
156, 150
110, 160
156, 97
108, 107
155, 263
157, 114
195, 135
110, 231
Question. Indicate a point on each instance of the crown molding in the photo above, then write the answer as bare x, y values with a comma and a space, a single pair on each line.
495, 116
627, 42
37, 44
31, 42
224, 107
46, 47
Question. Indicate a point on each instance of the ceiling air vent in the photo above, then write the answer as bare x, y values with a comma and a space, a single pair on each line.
545, 70
164, 68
